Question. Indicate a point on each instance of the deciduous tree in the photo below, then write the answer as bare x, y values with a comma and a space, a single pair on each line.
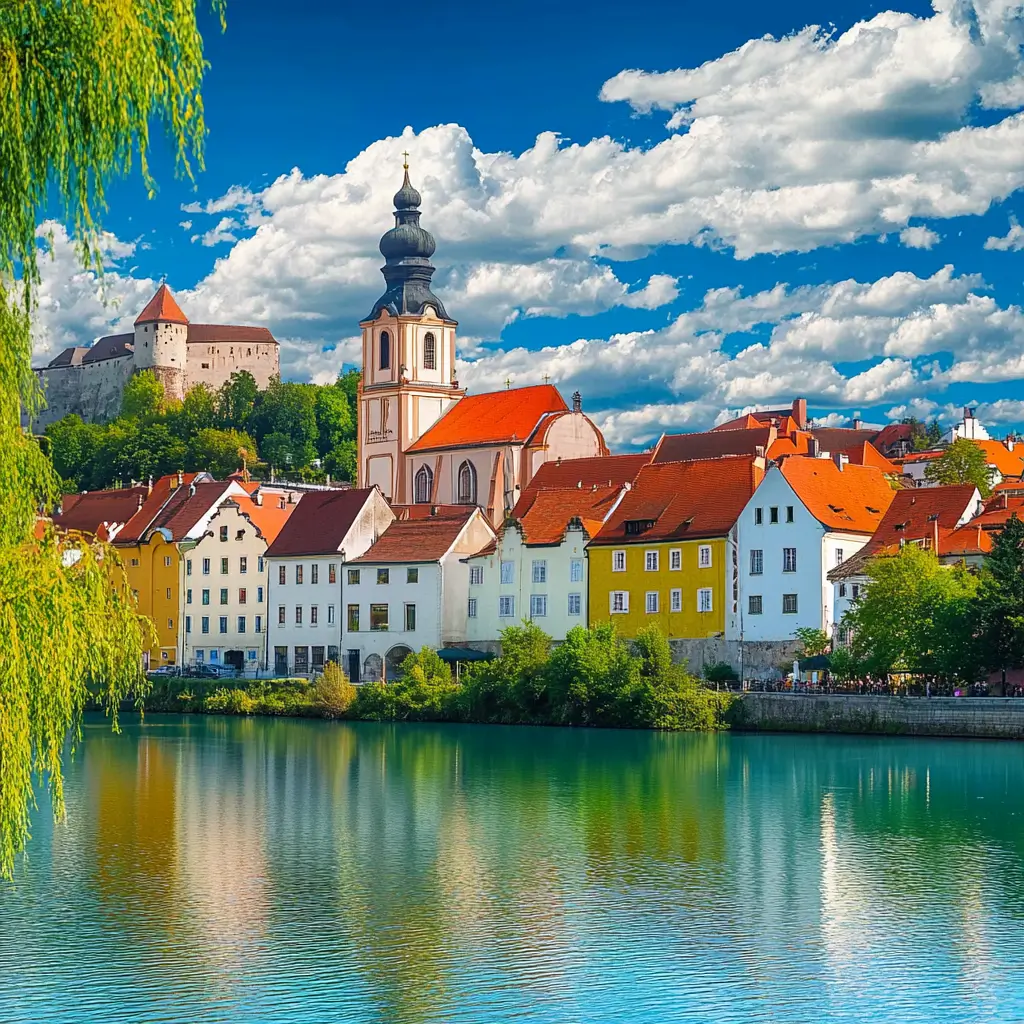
963, 462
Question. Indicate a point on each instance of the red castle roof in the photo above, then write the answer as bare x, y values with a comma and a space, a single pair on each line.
162, 307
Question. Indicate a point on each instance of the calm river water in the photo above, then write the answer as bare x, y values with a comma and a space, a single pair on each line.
218, 869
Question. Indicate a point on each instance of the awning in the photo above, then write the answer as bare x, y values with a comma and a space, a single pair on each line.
454, 654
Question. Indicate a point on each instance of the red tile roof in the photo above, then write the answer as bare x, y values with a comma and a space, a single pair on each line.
320, 522
603, 470
544, 515
892, 434
917, 513
713, 444
494, 418
866, 454
853, 499
267, 515
162, 490
207, 334
1010, 464
421, 539
86, 513
184, 509
745, 422
840, 439
684, 500
162, 307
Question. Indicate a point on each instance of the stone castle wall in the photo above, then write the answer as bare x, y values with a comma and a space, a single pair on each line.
212, 363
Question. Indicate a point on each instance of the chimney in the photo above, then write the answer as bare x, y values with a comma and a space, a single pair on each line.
840, 459
577, 402
813, 448
433, 510
558, 461
291, 497
181, 478
192, 489
968, 413
800, 412
258, 498
935, 536
149, 485
1011, 443
856, 423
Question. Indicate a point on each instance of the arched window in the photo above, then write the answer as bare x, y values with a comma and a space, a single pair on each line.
424, 484
429, 352
385, 350
467, 484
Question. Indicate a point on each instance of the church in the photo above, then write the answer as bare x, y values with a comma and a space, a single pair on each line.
422, 438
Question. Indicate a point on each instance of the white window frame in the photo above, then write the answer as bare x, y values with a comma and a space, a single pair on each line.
651, 561
506, 606
539, 570
757, 561
675, 560
576, 570
786, 565
538, 606
476, 575
676, 599
622, 598
651, 602
705, 600
471, 608
575, 606
619, 560
796, 605
508, 572
751, 598
704, 556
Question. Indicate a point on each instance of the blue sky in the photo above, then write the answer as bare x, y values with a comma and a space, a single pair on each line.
682, 211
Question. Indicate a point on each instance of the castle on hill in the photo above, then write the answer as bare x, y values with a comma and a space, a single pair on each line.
88, 381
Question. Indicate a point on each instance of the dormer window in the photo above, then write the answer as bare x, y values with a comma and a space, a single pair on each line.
385, 350
638, 526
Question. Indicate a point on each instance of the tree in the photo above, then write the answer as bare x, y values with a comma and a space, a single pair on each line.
73, 445
237, 399
198, 412
812, 641
80, 85
220, 452
333, 692
142, 397
963, 462
333, 419
1000, 605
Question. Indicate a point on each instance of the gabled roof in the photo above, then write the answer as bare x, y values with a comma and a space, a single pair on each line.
497, 417
713, 444
602, 470
113, 346
267, 516
208, 334
320, 522
420, 539
866, 454
184, 508
891, 434
853, 499
840, 439
1009, 463
162, 307
157, 498
544, 515
683, 500
86, 513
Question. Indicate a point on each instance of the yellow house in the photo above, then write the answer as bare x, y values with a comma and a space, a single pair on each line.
153, 568
666, 556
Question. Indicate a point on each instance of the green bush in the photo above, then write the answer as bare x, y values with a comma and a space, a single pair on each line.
333, 694
720, 672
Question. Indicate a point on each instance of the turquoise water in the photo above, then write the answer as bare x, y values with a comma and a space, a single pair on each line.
217, 869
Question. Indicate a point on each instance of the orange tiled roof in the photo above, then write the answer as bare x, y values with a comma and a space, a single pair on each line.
746, 422
162, 490
1010, 464
866, 454
797, 442
853, 499
497, 417
684, 500
267, 516
420, 539
544, 515
713, 444
918, 513
603, 470
162, 307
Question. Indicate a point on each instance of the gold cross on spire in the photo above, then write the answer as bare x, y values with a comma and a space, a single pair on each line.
508, 383
547, 378
405, 155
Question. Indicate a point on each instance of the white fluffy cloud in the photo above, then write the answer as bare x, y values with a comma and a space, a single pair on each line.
1012, 241
919, 237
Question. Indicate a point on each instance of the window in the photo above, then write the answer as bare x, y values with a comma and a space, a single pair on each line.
789, 513
206, 597
410, 618
855, 591
842, 590
318, 658
301, 659
258, 624
353, 577
167, 561
424, 484
223, 533
619, 602
330, 615
704, 556
224, 567
676, 600
298, 615
651, 561
704, 601
298, 573
199, 656
385, 350
576, 570
789, 604
314, 615
412, 574
754, 604
839, 556
250, 655
167, 593
241, 623
429, 351
206, 567
280, 614
314, 573
467, 483
223, 623
259, 564
353, 618
575, 604
239, 534
471, 608
758, 516
508, 572
773, 514
476, 575
652, 602
243, 564
379, 617
259, 595
332, 573
618, 561
188, 567
170, 623
540, 571
281, 577
188, 623
538, 606
675, 560
188, 597
506, 606
205, 624
223, 595
383, 576
756, 561
789, 559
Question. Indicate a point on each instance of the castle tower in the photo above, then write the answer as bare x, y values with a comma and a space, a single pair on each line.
408, 354
161, 342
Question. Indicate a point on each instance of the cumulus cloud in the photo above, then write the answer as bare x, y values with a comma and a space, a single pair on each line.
919, 237
223, 231
1012, 241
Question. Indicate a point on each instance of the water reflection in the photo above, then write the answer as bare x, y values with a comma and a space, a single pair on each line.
252, 870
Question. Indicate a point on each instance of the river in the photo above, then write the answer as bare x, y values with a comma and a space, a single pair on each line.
258, 870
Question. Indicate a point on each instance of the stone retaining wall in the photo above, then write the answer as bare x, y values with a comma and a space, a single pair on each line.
991, 717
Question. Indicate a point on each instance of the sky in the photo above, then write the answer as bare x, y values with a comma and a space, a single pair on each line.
682, 211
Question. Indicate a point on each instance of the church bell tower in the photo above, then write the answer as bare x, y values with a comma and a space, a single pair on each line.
408, 354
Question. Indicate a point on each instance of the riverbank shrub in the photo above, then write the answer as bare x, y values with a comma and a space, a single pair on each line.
333, 693
423, 692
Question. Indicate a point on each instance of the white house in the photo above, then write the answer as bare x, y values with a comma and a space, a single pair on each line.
305, 590
537, 566
807, 516
223, 590
410, 589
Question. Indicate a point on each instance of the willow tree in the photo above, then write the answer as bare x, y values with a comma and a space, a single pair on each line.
82, 83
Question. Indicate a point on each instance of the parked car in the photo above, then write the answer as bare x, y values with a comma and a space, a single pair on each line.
214, 671
166, 670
